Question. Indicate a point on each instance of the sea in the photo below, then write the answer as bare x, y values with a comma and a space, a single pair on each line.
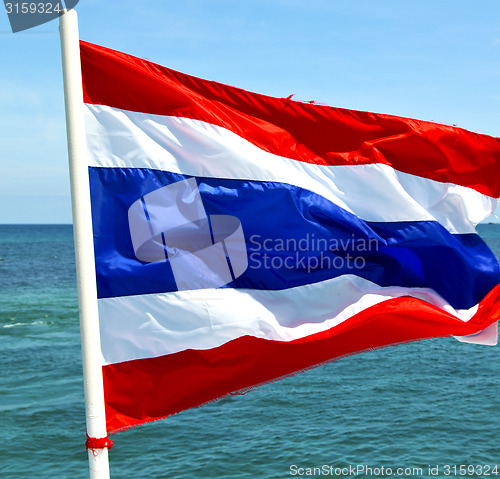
418, 410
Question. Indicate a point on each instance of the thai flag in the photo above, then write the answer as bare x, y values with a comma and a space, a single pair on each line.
240, 238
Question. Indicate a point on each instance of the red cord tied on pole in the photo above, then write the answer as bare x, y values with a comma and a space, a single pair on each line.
95, 443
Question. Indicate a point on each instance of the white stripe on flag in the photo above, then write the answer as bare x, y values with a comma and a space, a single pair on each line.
374, 192
144, 326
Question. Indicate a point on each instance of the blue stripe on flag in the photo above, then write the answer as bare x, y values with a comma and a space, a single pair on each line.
293, 237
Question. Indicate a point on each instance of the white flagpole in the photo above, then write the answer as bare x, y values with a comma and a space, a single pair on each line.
84, 247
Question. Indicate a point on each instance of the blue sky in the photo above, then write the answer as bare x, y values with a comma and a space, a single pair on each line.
432, 60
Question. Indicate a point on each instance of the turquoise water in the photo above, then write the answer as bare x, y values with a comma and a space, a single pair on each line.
434, 402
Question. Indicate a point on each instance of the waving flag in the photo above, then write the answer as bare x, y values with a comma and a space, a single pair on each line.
240, 238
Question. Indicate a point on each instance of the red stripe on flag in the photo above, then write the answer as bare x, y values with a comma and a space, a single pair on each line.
310, 133
145, 390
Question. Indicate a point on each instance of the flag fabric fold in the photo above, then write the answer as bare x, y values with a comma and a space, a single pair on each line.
240, 238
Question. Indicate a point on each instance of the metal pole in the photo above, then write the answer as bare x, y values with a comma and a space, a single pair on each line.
84, 247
